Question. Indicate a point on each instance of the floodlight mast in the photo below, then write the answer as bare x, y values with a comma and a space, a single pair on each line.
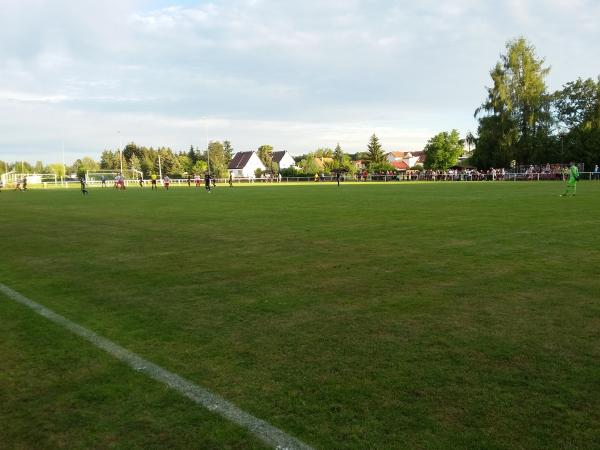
159, 166
63, 161
120, 151
207, 145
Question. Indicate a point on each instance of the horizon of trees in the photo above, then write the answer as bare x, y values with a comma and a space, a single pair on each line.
519, 122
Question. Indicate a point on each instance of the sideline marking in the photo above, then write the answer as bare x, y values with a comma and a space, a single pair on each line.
264, 431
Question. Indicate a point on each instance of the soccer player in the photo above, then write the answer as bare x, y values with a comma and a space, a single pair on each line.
24, 183
166, 182
141, 181
103, 181
153, 181
573, 179
82, 183
230, 179
207, 178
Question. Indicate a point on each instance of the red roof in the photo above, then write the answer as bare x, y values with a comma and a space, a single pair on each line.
400, 165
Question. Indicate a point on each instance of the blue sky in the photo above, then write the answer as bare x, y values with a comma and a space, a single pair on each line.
297, 75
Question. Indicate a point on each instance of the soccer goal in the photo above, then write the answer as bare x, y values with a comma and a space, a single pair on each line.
14, 178
100, 177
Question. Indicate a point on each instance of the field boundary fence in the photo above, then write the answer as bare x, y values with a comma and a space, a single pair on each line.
402, 177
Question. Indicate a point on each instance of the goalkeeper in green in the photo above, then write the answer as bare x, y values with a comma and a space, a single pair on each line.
573, 179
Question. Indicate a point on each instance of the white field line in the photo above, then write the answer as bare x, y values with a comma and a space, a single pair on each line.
264, 431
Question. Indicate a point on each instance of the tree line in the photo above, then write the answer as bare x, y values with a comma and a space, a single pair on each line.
150, 160
519, 122
522, 122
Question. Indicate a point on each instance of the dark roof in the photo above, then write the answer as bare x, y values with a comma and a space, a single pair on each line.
240, 159
278, 156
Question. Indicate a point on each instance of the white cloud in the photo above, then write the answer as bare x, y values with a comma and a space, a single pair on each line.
299, 75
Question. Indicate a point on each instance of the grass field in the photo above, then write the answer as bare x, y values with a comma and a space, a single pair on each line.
434, 315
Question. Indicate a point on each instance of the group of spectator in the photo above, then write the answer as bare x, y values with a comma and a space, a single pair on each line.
467, 174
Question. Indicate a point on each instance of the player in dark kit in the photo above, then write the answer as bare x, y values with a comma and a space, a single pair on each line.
207, 178
82, 183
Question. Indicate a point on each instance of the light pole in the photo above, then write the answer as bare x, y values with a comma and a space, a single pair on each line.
159, 166
63, 161
205, 119
120, 152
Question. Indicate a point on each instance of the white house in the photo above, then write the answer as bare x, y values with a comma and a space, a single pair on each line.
244, 164
283, 159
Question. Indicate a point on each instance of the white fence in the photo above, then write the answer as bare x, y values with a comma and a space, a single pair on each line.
402, 177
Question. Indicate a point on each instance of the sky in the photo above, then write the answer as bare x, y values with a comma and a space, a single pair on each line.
295, 75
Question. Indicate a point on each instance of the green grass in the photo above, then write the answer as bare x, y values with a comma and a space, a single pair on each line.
442, 315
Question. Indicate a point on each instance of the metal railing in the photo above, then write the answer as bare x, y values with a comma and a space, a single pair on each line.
371, 178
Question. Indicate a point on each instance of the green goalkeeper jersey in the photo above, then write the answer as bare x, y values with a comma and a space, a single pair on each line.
573, 174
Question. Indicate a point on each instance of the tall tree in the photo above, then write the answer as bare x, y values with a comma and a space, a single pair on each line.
265, 153
443, 150
134, 162
338, 155
323, 153
577, 108
130, 150
192, 155
309, 165
109, 160
58, 169
199, 167
342, 161
216, 154
470, 140
375, 155
228, 150
515, 120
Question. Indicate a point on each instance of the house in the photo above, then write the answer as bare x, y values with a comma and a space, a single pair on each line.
410, 158
283, 159
400, 165
395, 156
244, 165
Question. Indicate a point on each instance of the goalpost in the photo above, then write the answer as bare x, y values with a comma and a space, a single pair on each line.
13, 178
94, 177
